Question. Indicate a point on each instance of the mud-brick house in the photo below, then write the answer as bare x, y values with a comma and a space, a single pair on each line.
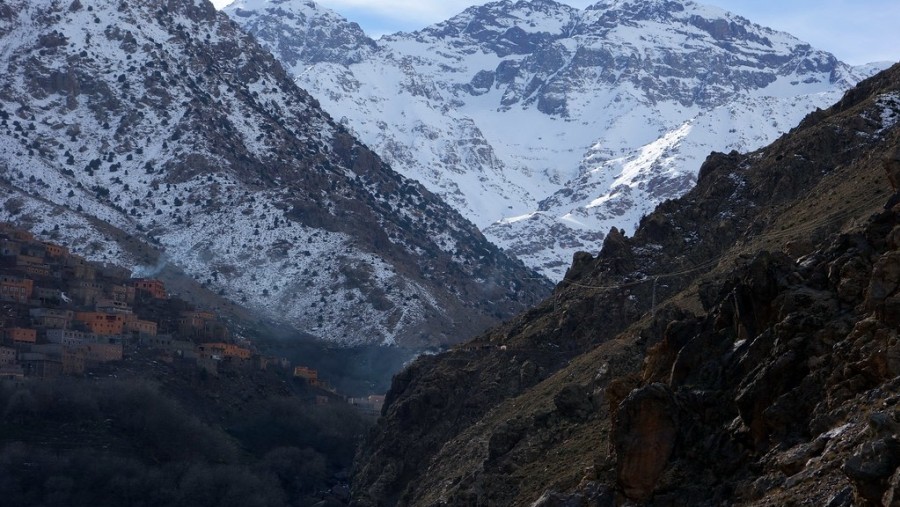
78, 268
112, 306
163, 341
86, 292
35, 364
12, 372
9, 247
102, 352
74, 361
223, 351
143, 328
310, 375
28, 265
68, 337
48, 349
34, 249
101, 323
114, 272
195, 319
215, 330
51, 318
121, 293
369, 406
20, 235
15, 289
55, 251
168, 343
155, 288
19, 336
91, 352
47, 296
7, 356
202, 324
266, 362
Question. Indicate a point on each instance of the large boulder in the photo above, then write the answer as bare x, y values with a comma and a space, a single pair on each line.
871, 470
574, 402
645, 436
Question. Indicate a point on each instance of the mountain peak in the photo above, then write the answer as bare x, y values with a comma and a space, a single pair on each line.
510, 26
289, 6
547, 125
641, 5
329, 37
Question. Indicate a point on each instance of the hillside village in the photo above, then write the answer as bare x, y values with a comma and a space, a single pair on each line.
63, 315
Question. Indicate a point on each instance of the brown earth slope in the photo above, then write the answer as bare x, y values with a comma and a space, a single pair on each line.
740, 348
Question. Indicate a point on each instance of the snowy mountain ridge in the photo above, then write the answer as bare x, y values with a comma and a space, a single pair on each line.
159, 132
545, 124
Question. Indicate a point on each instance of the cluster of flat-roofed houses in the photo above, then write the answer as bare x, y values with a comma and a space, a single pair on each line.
62, 314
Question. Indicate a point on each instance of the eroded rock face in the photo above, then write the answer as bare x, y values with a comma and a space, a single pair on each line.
574, 401
784, 351
882, 294
891, 497
645, 438
756, 395
892, 168
871, 469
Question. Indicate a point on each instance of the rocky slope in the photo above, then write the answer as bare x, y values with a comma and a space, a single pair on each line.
159, 133
740, 348
547, 125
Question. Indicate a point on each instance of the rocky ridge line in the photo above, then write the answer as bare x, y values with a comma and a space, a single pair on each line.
160, 134
615, 106
557, 406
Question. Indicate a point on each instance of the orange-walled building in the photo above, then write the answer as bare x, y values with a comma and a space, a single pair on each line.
194, 320
102, 323
223, 350
15, 289
20, 335
310, 375
155, 288
55, 250
33, 266
20, 235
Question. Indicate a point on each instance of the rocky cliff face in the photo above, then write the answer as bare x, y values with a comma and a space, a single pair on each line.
740, 348
547, 125
161, 134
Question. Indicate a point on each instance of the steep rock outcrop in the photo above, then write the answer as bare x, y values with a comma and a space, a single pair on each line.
644, 439
771, 362
788, 358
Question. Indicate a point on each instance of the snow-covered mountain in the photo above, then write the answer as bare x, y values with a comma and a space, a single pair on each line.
148, 132
547, 125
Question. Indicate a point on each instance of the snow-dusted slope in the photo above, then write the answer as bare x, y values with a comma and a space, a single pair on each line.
135, 131
545, 124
